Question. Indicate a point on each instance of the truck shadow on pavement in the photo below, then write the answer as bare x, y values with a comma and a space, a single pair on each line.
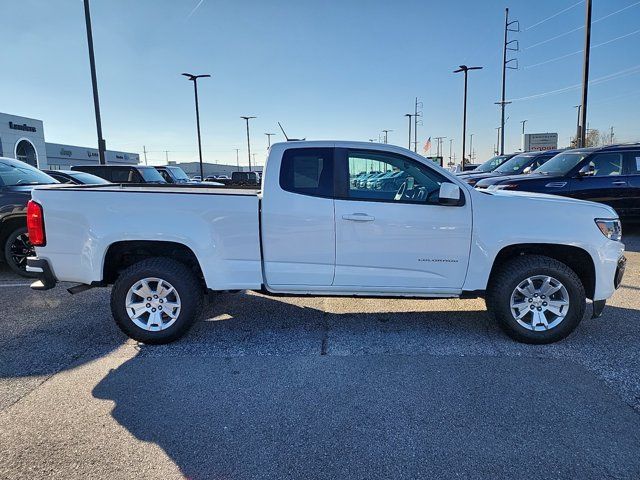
264, 388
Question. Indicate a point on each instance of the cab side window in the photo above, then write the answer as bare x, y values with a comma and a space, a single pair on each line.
380, 176
633, 162
307, 171
605, 164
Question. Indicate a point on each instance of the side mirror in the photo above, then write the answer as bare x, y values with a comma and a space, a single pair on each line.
449, 194
527, 170
587, 171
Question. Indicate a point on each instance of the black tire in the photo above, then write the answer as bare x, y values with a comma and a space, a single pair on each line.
505, 280
16, 250
183, 280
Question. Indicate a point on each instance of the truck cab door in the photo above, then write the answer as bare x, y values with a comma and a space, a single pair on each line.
298, 237
394, 236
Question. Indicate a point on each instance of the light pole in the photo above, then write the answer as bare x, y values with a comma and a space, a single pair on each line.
269, 135
237, 158
451, 150
585, 74
386, 135
194, 79
248, 142
409, 115
523, 122
102, 145
471, 147
465, 70
578, 133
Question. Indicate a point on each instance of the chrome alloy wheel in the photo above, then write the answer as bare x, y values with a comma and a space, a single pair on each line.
539, 303
153, 304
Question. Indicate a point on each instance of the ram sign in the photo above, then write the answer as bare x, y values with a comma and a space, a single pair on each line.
539, 141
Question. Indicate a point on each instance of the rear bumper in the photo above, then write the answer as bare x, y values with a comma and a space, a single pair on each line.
45, 278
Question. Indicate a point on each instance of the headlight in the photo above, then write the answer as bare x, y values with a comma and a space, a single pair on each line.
610, 228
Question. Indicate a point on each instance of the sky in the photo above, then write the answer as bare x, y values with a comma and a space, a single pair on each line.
325, 69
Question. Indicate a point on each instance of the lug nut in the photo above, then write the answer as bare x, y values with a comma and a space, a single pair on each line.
148, 299
159, 308
532, 307
161, 301
535, 294
539, 309
544, 304
155, 296
148, 305
530, 300
153, 309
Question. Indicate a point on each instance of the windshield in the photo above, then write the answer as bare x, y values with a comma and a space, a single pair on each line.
178, 174
562, 163
14, 173
515, 164
87, 178
491, 164
150, 174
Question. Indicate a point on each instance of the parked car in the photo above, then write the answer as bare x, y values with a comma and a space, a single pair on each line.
516, 165
122, 173
196, 178
75, 178
17, 179
609, 175
218, 179
310, 232
173, 174
245, 179
488, 166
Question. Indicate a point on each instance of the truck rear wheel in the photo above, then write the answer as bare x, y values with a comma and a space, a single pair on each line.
156, 300
536, 299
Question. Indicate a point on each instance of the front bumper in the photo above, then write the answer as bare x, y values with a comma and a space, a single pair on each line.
598, 305
45, 278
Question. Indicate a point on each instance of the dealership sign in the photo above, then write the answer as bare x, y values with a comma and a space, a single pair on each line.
24, 127
539, 141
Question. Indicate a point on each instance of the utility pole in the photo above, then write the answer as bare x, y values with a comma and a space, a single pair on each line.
439, 145
166, 156
498, 141
144, 150
465, 70
269, 135
611, 136
386, 135
237, 158
102, 145
505, 65
578, 129
471, 147
254, 159
410, 116
416, 114
194, 79
246, 118
585, 72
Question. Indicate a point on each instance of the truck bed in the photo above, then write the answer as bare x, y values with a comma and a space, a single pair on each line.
219, 225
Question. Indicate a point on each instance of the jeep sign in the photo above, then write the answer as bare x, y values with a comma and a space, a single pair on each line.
539, 141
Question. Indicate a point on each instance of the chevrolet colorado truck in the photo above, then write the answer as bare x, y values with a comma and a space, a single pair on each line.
312, 230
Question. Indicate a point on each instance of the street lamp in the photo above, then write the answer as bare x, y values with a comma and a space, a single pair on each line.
410, 116
248, 142
465, 70
102, 146
523, 122
269, 135
194, 79
386, 135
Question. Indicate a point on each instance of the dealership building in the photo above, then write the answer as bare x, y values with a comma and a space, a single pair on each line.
22, 138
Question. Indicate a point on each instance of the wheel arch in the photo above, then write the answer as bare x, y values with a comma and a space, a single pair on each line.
122, 254
577, 259
9, 224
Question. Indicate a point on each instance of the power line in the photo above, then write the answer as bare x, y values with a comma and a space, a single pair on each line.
580, 51
597, 81
581, 26
554, 15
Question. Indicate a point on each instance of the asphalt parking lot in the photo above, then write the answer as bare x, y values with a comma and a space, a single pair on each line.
316, 388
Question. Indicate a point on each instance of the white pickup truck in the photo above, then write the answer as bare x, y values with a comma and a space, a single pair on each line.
332, 218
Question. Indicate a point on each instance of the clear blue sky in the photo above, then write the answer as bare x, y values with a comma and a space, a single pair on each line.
325, 69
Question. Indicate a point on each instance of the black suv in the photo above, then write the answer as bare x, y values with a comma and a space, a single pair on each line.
123, 173
521, 163
17, 179
609, 174
486, 167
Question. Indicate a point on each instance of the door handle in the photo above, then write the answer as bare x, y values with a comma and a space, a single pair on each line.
619, 182
359, 217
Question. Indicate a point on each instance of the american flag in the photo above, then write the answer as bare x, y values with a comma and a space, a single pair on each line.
427, 146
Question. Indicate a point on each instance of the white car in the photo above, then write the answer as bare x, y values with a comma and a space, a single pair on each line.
535, 258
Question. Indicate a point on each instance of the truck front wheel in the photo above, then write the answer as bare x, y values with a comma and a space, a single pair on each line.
156, 300
536, 299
